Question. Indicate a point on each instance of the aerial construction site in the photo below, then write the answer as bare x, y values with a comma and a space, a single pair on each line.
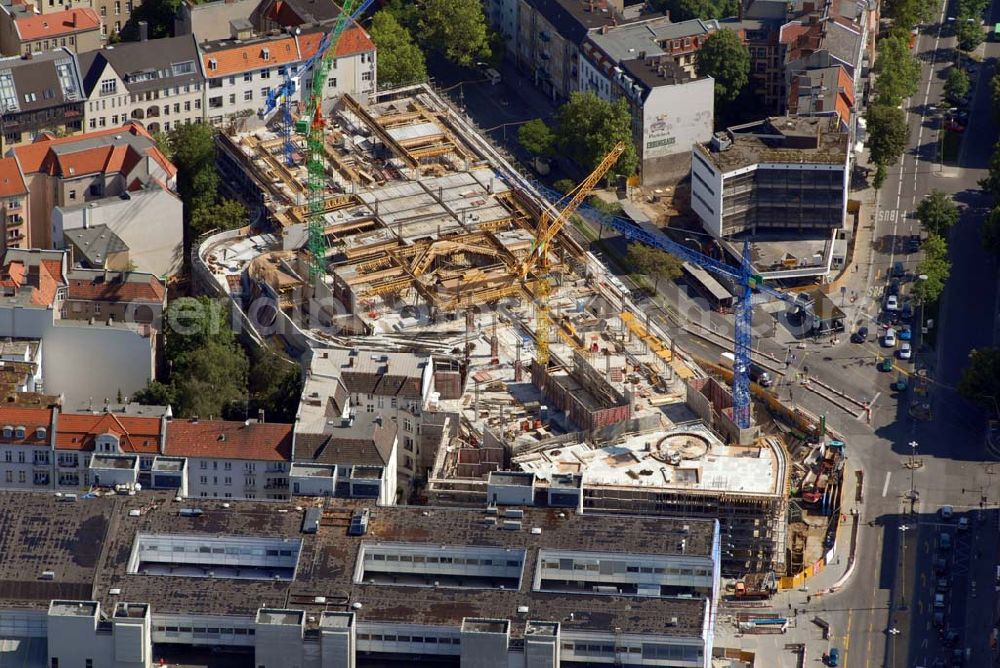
434, 245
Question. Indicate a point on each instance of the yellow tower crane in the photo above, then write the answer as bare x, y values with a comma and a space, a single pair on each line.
549, 224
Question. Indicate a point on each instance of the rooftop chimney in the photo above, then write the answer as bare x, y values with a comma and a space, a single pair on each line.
143, 31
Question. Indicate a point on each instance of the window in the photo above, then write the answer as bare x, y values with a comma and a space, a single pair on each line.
109, 86
118, 26
10, 476
187, 106
55, 660
331, 82
204, 465
228, 466
247, 95
215, 103
229, 481
20, 476
265, 74
263, 92
366, 76
8, 456
20, 457
247, 76
118, 7
204, 480
232, 98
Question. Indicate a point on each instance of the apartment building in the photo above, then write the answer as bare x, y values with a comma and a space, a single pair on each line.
114, 14
651, 64
828, 91
759, 25
13, 203
81, 360
415, 585
115, 177
158, 83
785, 174
242, 69
122, 296
360, 385
39, 92
22, 32
551, 34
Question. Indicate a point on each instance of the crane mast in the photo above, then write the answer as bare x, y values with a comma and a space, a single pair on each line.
549, 224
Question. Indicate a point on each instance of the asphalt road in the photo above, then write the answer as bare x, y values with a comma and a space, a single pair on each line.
894, 585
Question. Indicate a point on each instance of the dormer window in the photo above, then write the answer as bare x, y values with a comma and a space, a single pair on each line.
8, 431
40, 433
213, 64
265, 53
19, 431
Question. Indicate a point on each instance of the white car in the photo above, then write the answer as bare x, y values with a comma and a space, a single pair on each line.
892, 303
905, 351
889, 339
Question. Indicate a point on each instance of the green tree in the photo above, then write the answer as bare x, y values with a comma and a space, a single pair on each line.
228, 214
724, 58
684, 10
990, 231
995, 94
162, 140
456, 28
159, 14
211, 381
968, 32
879, 177
991, 184
888, 134
536, 138
654, 262
589, 127
564, 185
155, 394
957, 84
980, 382
937, 213
896, 69
400, 60
275, 385
933, 270
192, 323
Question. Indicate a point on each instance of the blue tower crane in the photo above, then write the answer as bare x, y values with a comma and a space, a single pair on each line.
282, 93
750, 285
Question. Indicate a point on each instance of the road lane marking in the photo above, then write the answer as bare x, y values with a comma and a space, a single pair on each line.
885, 487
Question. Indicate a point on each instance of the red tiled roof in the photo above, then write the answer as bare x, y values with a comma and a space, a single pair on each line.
29, 418
243, 57
55, 24
37, 157
229, 440
77, 431
151, 291
11, 181
353, 40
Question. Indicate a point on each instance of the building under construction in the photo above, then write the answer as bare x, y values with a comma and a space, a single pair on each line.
431, 242
682, 471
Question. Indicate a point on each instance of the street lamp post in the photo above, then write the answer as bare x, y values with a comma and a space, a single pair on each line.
913, 467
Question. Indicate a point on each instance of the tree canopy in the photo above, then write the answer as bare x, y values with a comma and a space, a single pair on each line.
724, 58
536, 138
937, 213
991, 183
228, 214
159, 14
980, 382
888, 134
456, 28
990, 231
896, 69
589, 127
654, 262
957, 83
934, 270
684, 10
400, 60
968, 31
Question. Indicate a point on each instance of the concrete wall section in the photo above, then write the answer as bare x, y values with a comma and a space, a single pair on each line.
674, 119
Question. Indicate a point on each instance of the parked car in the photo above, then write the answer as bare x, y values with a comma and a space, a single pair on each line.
963, 523
905, 333
860, 336
945, 542
893, 288
938, 619
907, 311
943, 584
905, 351
885, 364
938, 600
889, 338
898, 269
892, 303
833, 658
913, 243
947, 512
941, 566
